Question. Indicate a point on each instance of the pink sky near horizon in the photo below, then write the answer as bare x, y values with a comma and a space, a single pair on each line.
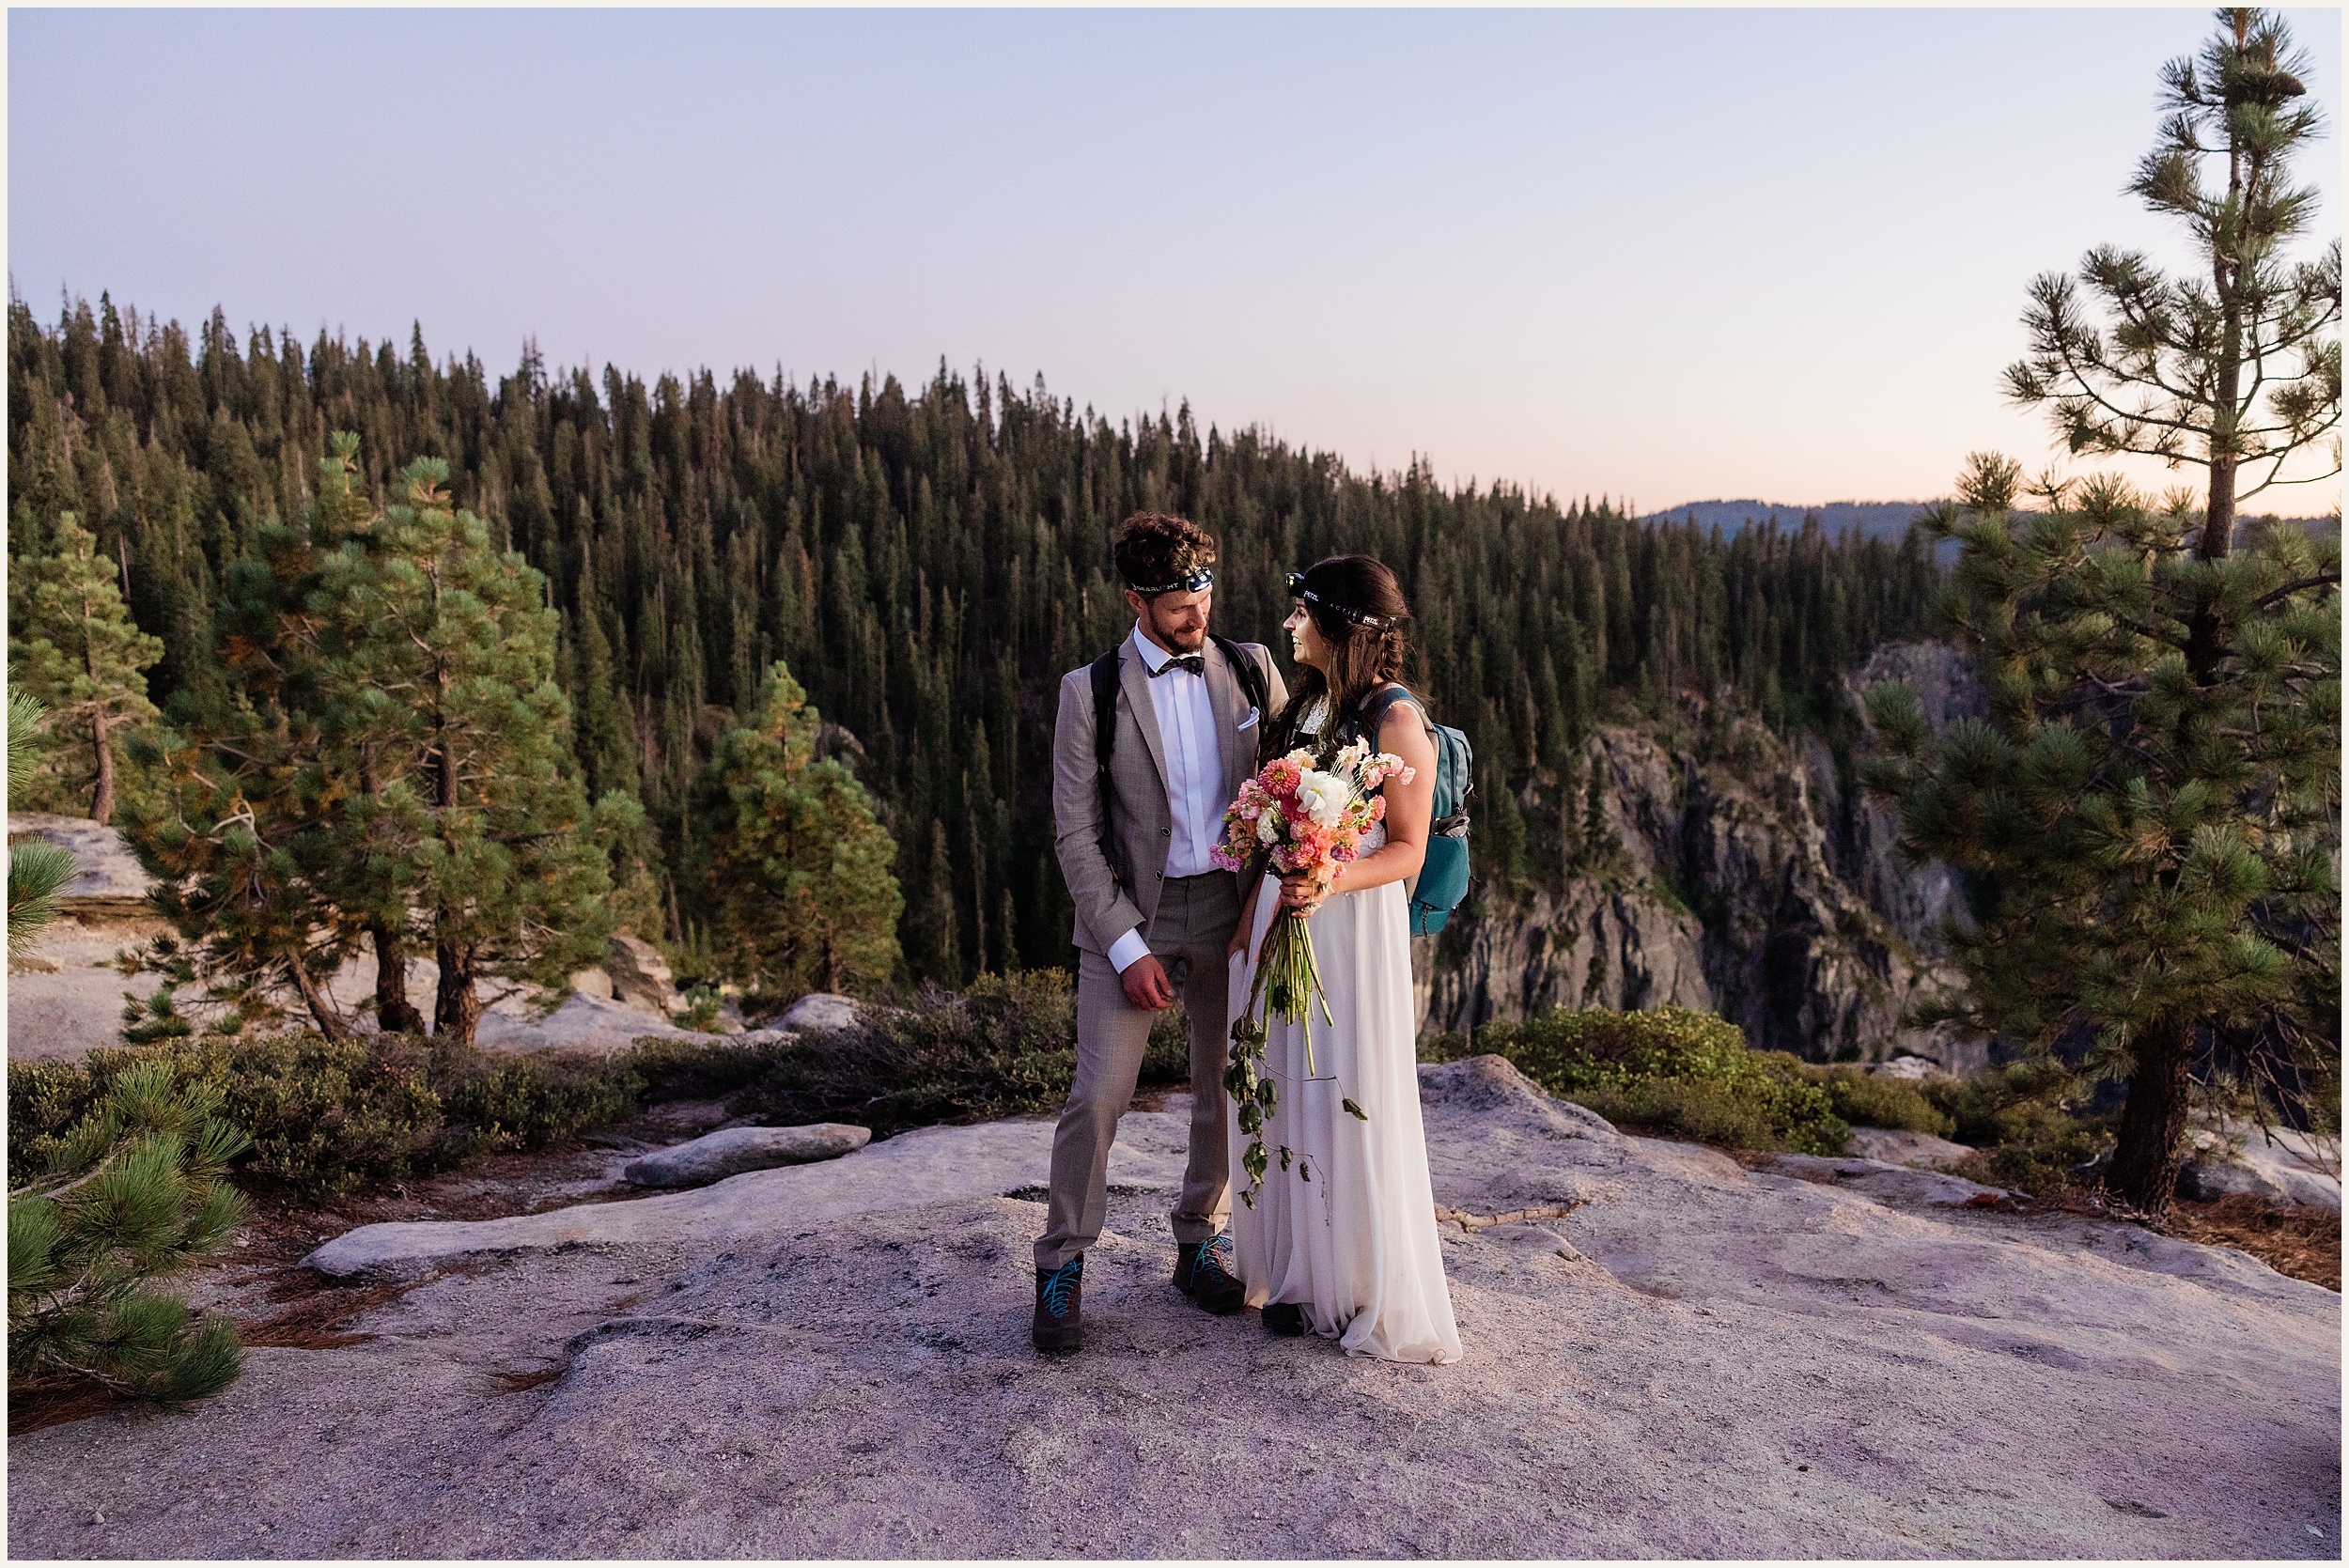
1659, 255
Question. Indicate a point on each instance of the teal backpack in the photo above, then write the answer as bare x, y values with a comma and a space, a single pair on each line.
1443, 876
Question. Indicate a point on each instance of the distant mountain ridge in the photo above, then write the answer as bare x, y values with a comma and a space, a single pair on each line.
1875, 520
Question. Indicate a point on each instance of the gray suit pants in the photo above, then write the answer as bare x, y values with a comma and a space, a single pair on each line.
1188, 934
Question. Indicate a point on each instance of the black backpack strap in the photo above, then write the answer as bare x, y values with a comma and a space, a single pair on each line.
1367, 718
1252, 681
1104, 672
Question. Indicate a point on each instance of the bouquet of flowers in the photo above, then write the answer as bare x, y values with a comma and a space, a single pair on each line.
1307, 821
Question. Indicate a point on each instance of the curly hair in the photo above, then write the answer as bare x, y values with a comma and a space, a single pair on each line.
1153, 549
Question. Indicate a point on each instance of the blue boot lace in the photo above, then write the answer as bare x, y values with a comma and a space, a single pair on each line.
1059, 1284
1213, 1264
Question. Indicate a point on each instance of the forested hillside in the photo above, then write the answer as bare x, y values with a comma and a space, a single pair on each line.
928, 561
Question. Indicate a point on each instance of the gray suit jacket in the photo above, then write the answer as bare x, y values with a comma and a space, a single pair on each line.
1113, 899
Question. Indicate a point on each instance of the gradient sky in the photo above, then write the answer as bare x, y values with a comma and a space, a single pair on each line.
1666, 256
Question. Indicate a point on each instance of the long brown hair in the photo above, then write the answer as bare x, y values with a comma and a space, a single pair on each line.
1362, 658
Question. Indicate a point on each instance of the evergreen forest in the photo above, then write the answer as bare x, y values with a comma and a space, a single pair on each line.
926, 562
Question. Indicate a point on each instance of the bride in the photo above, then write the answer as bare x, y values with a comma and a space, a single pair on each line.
1352, 1253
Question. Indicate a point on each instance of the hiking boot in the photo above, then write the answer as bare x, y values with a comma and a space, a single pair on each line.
1202, 1271
1058, 1328
1283, 1317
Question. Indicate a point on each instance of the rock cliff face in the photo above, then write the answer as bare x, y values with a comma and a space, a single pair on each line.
1758, 885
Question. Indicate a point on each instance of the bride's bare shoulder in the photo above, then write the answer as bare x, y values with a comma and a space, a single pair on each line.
1404, 723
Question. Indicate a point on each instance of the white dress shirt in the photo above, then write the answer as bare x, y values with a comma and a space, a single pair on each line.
1194, 775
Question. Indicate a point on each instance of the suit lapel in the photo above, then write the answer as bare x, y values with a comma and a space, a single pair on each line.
1223, 695
1135, 676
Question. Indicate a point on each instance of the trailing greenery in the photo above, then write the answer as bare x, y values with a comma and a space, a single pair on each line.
126, 1191
930, 561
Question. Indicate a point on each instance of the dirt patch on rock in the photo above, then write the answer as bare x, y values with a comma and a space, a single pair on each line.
2291, 1238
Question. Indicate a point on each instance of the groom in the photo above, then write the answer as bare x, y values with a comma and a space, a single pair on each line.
1136, 817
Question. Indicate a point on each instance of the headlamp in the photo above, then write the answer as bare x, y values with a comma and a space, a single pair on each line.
1198, 582
1362, 618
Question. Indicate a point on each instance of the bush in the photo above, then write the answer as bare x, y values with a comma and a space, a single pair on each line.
1868, 1101
131, 1190
535, 1102
1671, 1070
2025, 1120
324, 1117
1007, 1045
1690, 1075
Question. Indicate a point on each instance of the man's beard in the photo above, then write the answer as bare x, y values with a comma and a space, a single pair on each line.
1193, 640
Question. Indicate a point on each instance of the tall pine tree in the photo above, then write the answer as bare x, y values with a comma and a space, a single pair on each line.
2156, 798
436, 653
791, 859
73, 649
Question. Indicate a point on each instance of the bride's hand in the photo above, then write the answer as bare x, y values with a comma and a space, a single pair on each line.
1301, 893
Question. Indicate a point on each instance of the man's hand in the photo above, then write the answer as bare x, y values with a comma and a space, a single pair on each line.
1146, 985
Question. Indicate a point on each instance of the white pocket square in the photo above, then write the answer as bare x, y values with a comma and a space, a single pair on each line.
1249, 722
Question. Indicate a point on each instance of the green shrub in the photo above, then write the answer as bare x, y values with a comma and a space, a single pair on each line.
1673, 1070
324, 1117
1694, 1108
672, 1069
1869, 1101
2025, 1120
1690, 1075
127, 1191
534, 1102
1007, 1045
701, 1010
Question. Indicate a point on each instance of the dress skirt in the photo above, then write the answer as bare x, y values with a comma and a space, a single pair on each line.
1355, 1245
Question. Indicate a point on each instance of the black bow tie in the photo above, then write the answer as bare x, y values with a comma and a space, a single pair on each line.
1195, 662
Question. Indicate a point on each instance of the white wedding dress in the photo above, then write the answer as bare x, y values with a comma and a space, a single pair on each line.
1355, 1246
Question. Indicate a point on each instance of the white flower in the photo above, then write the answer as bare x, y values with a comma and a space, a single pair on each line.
1267, 827
1324, 796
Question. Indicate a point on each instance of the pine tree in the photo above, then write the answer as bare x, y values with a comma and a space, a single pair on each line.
74, 648
2156, 796
793, 863
2236, 364
364, 744
2166, 708
236, 829
136, 1192
437, 652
